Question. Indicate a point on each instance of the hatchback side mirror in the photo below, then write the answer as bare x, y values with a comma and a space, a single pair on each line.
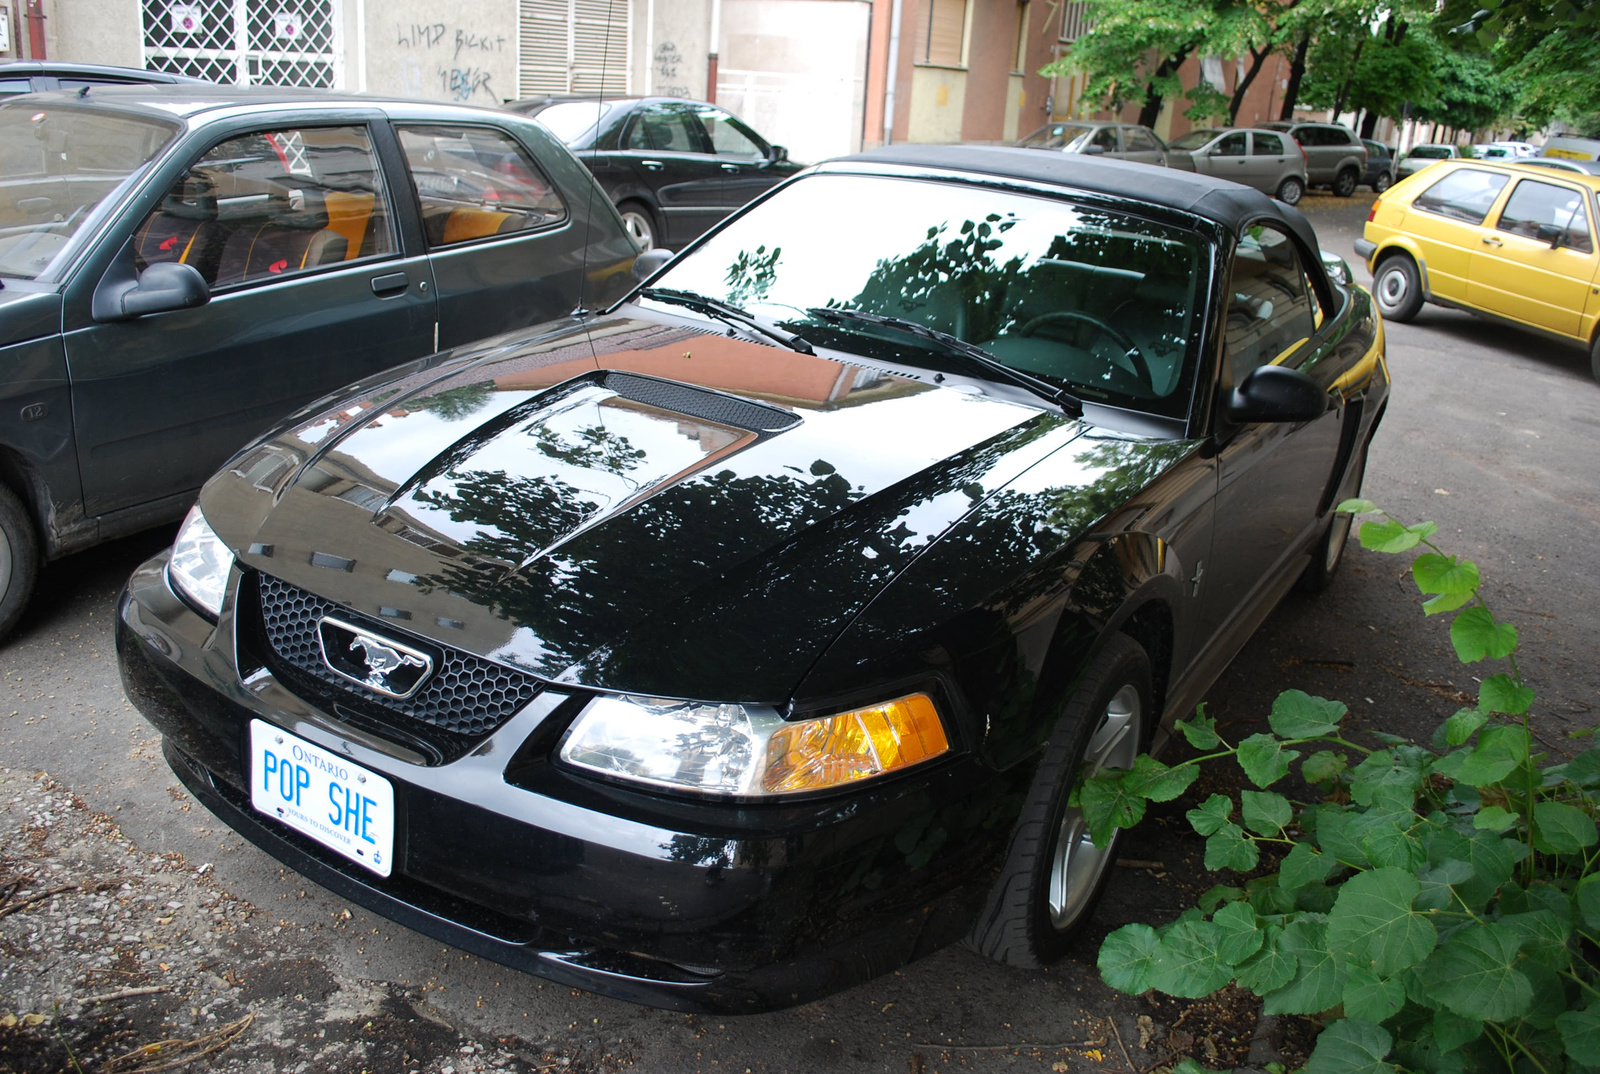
777, 154
1275, 393
1550, 233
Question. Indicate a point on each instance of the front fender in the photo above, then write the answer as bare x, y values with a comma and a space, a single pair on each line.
1408, 245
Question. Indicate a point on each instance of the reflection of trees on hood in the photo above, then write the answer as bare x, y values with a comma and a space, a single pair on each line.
454, 404
597, 448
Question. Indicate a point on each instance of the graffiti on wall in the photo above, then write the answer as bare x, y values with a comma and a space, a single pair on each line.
448, 61
666, 64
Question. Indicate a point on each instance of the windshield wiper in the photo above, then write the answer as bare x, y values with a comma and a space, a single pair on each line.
961, 348
727, 311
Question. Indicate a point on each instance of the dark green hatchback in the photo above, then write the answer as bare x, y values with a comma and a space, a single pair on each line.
182, 266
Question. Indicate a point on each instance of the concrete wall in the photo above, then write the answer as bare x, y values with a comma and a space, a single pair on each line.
88, 31
938, 101
463, 51
679, 55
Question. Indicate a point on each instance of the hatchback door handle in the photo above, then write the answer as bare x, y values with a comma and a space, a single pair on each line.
391, 284
653, 165
1490, 240
730, 167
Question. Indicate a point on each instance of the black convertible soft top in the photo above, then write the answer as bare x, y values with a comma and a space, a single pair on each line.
1230, 204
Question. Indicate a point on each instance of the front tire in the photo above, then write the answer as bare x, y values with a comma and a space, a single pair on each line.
1329, 552
19, 560
1383, 182
1397, 288
640, 224
1291, 190
1594, 357
1053, 874
1345, 183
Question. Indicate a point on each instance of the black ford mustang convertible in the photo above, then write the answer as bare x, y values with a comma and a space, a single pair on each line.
729, 646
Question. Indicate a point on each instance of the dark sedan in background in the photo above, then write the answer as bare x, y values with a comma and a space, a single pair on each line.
674, 168
732, 645
39, 76
181, 266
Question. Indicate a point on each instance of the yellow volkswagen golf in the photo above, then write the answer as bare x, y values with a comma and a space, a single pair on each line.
1510, 241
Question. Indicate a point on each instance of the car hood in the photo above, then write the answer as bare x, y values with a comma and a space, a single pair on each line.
26, 315
634, 504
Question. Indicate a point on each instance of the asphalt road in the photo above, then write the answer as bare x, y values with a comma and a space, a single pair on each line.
1486, 435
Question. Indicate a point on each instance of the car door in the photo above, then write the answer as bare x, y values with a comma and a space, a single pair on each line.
1446, 221
500, 235
666, 146
747, 162
1536, 261
1272, 476
1227, 158
311, 287
1140, 145
1268, 161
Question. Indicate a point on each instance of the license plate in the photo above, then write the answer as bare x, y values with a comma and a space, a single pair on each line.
322, 795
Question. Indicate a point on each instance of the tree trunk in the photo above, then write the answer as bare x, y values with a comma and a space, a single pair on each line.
1237, 101
1369, 124
1152, 99
1350, 76
1297, 69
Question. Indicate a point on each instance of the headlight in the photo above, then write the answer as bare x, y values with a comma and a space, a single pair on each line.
748, 750
198, 568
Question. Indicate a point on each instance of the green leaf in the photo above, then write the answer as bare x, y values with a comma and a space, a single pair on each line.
1502, 693
1107, 805
1445, 602
1126, 957
1586, 897
1388, 536
1580, 1032
1302, 866
1371, 998
1476, 636
1357, 506
1269, 968
1451, 1031
1559, 828
1240, 935
1200, 730
1473, 974
1492, 858
1337, 837
1216, 897
1389, 778
1323, 766
1151, 779
1584, 769
1264, 759
1437, 884
1318, 983
1228, 848
1544, 936
1297, 714
1373, 924
1435, 573
1211, 815
1351, 1046
1265, 812
1390, 844
1186, 962
1499, 751
1463, 725
1494, 819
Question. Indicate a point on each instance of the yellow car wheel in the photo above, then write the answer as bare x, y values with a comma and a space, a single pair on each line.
1397, 287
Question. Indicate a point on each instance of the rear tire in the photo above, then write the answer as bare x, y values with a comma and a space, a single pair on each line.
1291, 190
1397, 288
1594, 357
19, 560
1345, 183
640, 224
1383, 182
1053, 875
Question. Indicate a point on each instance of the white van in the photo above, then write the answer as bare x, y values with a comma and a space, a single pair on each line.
1571, 148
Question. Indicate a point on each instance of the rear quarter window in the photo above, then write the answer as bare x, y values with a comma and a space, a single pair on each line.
1465, 194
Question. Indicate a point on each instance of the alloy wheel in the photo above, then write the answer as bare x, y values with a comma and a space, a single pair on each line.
639, 228
1078, 864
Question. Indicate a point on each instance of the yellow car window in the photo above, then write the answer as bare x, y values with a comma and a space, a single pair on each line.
1464, 194
1549, 213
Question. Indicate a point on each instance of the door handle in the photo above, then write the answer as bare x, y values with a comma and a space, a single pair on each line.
731, 168
390, 284
1490, 240
652, 165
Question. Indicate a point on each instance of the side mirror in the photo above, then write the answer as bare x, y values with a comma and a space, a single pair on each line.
1094, 150
168, 285
777, 154
1275, 393
1550, 233
649, 263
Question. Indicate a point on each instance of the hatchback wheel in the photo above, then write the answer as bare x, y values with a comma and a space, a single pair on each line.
1344, 184
1291, 190
1594, 356
1054, 874
1383, 182
19, 560
640, 224
1397, 287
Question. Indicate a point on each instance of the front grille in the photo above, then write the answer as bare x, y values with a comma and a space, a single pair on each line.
465, 695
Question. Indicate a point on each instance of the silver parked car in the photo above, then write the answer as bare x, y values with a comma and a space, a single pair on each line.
1334, 155
1420, 156
1124, 141
1270, 161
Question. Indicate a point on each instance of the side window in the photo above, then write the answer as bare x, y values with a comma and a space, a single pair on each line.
1231, 146
662, 130
1465, 194
1270, 306
272, 204
1266, 145
1105, 138
1557, 209
475, 183
1140, 140
729, 137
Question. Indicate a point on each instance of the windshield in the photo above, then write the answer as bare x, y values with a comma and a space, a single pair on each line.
57, 164
569, 120
1102, 303
1432, 152
1194, 139
1056, 135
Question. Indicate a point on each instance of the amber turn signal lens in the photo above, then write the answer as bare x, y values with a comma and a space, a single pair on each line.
817, 754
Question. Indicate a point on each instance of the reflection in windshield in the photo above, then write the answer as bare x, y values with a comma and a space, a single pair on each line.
1096, 301
571, 118
57, 164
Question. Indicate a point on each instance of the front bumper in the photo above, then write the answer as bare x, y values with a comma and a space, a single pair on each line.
686, 905
1365, 250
